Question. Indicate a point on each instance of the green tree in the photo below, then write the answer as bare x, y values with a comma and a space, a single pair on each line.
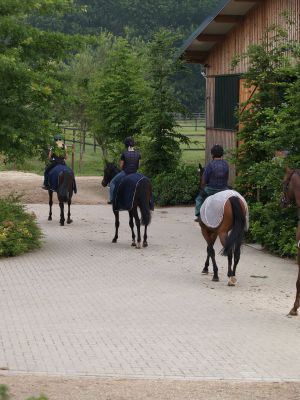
270, 123
270, 75
162, 141
117, 96
139, 18
30, 76
81, 71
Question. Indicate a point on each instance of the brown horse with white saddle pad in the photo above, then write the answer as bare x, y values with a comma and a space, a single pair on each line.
291, 192
224, 215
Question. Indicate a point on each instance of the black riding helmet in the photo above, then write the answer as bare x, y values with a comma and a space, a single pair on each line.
217, 151
129, 142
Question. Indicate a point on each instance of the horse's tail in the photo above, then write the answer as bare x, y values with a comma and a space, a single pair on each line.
65, 186
234, 239
144, 193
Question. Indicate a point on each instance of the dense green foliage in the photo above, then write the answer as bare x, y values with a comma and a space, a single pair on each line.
162, 147
19, 232
178, 187
31, 84
141, 19
117, 95
270, 123
136, 18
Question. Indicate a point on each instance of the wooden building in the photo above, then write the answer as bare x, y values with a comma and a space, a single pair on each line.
228, 32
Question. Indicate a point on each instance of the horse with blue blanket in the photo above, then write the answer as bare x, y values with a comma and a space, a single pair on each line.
62, 181
133, 191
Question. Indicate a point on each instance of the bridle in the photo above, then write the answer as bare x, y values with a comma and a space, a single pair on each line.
109, 172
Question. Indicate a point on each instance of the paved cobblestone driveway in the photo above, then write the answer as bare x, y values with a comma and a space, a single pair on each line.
84, 306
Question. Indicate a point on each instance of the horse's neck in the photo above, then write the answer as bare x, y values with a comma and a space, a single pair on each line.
115, 172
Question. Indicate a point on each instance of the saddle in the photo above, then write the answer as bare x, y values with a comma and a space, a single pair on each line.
124, 192
212, 210
54, 175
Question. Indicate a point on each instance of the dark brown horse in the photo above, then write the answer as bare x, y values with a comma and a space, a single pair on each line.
291, 192
230, 232
65, 190
141, 200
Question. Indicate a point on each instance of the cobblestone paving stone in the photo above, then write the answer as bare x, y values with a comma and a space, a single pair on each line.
84, 306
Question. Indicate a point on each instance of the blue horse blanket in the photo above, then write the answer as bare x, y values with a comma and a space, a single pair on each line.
54, 174
125, 190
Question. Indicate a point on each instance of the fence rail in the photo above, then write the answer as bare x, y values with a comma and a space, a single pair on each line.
191, 126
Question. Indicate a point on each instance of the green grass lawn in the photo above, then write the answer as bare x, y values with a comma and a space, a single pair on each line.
195, 152
93, 163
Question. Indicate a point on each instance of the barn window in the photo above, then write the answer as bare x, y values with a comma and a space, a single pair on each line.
226, 101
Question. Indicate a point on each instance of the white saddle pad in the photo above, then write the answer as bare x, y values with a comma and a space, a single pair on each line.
212, 210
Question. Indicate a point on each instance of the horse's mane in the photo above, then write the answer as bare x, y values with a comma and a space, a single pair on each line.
112, 166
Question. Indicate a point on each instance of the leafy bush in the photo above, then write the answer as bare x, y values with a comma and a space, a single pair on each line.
19, 232
270, 123
178, 187
274, 227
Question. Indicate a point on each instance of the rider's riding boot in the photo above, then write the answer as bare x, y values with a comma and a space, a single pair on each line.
45, 186
197, 219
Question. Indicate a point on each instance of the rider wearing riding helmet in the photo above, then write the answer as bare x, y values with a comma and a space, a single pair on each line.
214, 178
129, 163
57, 155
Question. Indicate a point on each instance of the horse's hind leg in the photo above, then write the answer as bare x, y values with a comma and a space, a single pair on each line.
230, 272
145, 243
211, 254
62, 213
210, 238
138, 227
131, 224
117, 224
69, 220
50, 204
206, 265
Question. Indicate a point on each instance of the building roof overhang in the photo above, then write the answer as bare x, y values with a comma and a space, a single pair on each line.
214, 29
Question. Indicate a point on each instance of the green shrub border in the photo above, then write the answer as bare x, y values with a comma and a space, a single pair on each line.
176, 188
19, 232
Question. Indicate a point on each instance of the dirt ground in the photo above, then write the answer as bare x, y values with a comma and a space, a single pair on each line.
29, 186
59, 388
23, 386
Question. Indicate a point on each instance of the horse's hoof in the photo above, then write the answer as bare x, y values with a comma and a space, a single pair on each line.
215, 279
69, 221
138, 245
232, 281
204, 271
114, 240
49, 218
293, 312
62, 224
145, 244
133, 244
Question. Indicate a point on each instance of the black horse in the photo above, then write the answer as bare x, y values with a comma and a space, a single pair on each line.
65, 188
141, 200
